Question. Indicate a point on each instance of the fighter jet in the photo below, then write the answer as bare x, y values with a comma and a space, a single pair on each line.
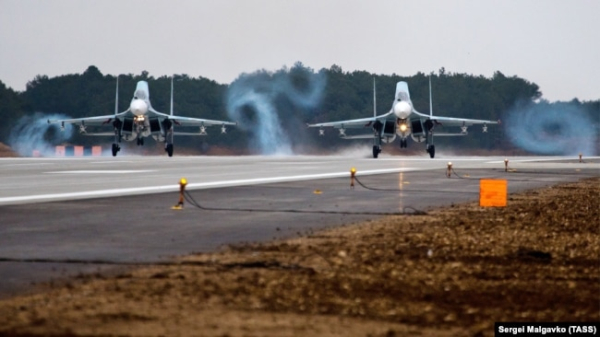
402, 121
140, 120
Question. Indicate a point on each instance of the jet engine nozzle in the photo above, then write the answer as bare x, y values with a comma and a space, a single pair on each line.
138, 107
402, 109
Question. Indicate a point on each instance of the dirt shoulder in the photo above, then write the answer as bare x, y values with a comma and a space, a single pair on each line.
455, 271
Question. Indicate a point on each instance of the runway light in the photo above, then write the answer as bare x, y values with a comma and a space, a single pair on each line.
182, 184
352, 174
581, 157
449, 171
505, 164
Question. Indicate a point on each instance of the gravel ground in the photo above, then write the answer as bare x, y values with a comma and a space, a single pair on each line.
452, 272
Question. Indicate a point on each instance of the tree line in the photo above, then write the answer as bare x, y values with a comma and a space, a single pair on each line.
341, 95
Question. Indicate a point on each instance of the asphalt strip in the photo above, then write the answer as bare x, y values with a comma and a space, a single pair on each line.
175, 187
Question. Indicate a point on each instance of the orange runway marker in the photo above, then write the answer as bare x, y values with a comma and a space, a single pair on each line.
492, 192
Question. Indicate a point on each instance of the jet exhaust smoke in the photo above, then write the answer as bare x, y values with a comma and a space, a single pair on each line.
34, 133
261, 103
552, 129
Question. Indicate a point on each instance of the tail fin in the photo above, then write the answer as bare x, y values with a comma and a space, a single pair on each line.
402, 92
374, 99
171, 109
430, 100
117, 98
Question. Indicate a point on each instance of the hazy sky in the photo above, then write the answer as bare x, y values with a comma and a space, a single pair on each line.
553, 43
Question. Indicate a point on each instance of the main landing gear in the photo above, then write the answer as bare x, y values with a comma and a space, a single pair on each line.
403, 143
376, 151
431, 150
117, 124
115, 148
169, 149
429, 137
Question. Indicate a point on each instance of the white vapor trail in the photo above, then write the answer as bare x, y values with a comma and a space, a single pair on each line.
32, 133
552, 129
252, 101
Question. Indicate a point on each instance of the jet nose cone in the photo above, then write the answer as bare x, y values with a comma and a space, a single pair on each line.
138, 107
402, 110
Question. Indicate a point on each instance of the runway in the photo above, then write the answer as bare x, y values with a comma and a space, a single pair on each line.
26, 180
64, 216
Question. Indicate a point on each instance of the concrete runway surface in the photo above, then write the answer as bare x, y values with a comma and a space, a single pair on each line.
64, 216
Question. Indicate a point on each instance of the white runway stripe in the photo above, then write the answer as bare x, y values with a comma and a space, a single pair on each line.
175, 187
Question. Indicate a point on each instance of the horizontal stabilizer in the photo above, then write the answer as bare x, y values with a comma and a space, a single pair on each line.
189, 134
101, 134
368, 136
447, 134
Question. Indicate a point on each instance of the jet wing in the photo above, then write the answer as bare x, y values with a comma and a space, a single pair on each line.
352, 123
455, 121
91, 121
191, 121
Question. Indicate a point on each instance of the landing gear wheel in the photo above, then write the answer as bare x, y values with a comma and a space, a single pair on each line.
141, 141
376, 151
403, 143
115, 149
169, 149
431, 150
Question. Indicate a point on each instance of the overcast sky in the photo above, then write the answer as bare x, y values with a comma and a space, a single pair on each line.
553, 43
